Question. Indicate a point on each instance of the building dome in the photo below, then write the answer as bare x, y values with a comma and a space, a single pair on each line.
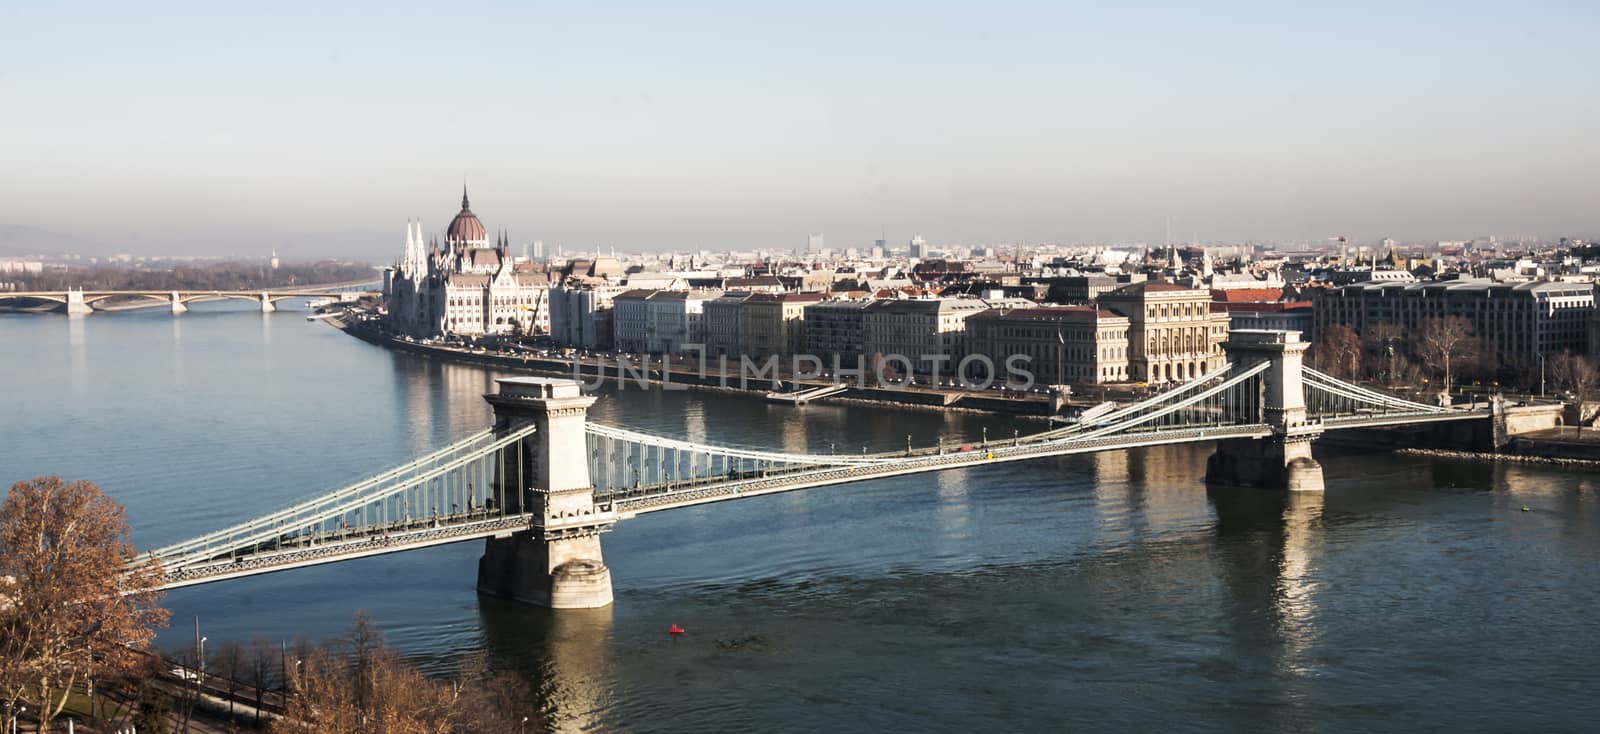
466, 227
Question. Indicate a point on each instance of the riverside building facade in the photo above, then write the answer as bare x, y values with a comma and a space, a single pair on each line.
1518, 321
1173, 335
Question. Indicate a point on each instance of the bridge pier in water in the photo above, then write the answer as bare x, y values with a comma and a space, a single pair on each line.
267, 306
76, 306
1282, 460
557, 561
178, 305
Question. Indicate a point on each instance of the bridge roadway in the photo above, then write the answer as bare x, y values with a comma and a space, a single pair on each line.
299, 550
312, 549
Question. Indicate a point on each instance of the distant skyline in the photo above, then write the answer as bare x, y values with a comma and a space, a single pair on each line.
192, 129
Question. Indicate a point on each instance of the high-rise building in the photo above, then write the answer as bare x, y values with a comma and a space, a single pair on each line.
919, 247
814, 243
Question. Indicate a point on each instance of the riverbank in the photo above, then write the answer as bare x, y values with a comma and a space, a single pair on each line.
688, 376
1495, 456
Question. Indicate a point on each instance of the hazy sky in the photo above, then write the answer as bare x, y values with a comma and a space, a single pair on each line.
750, 124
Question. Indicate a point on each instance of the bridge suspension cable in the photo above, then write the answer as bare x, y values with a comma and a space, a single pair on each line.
623, 434
1236, 406
177, 549
1335, 396
1121, 413
440, 484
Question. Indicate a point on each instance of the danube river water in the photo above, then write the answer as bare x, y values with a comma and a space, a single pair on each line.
1108, 592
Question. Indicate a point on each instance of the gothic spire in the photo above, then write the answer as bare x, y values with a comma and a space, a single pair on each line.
464, 204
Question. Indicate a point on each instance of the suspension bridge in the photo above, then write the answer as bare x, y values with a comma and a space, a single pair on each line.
542, 483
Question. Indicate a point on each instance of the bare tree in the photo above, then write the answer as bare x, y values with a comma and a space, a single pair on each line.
360, 684
261, 665
229, 662
72, 608
1575, 375
1386, 347
1446, 342
1338, 350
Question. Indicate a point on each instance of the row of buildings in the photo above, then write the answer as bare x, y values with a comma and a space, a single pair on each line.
1142, 332
1094, 316
1147, 331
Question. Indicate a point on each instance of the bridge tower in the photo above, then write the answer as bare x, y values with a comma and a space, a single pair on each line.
556, 561
1282, 460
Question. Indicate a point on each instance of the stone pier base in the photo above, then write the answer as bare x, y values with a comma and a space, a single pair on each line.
76, 305
567, 573
178, 306
1271, 463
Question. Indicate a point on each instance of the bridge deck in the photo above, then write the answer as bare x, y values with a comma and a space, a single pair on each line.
346, 545
654, 498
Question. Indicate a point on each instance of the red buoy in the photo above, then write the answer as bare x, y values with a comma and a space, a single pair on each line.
674, 630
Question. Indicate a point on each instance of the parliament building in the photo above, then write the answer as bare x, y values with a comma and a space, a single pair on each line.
468, 286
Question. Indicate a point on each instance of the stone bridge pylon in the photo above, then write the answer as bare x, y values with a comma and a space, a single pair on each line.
1282, 460
556, 562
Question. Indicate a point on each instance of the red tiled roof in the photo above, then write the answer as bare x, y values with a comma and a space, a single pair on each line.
1247, 294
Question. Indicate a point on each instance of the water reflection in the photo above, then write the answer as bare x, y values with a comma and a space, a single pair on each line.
79, 351
1269, 543
954, 507
566, 654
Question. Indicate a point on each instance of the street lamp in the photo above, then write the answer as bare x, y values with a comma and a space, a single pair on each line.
524, 725
1541, 374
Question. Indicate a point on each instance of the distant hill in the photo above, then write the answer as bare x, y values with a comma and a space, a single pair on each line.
20, 240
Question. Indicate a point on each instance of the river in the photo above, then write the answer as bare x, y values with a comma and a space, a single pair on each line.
1103, 592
